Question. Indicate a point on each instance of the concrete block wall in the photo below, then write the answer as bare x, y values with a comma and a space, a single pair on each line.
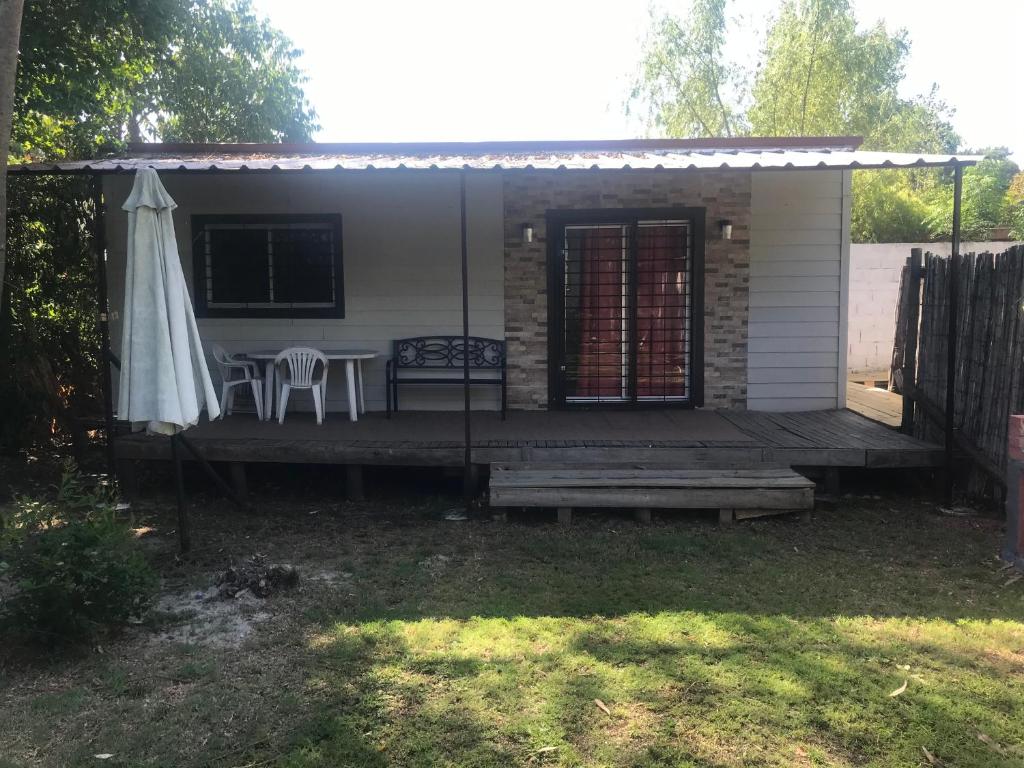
874, 294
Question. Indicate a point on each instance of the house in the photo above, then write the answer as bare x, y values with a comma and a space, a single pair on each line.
623, 275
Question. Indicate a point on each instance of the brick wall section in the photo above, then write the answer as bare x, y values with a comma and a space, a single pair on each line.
724, 195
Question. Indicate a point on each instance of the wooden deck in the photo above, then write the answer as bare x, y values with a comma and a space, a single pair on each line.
873, 401
837, 438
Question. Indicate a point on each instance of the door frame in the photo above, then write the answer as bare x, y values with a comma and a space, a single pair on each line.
557, 220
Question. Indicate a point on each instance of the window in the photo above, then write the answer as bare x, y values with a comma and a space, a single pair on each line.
625, 307
268, 266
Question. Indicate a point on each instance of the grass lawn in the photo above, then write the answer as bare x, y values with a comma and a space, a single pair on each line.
418, 642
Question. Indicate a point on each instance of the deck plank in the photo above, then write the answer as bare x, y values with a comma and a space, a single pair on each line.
684, 438
877, 404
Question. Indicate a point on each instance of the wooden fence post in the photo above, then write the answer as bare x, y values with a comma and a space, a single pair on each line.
910, 310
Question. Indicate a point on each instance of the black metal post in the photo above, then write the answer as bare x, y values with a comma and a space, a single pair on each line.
467, 469
184, 535
953, 280
99, 240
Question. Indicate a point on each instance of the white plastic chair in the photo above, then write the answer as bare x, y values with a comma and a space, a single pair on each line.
296, 369
249, 372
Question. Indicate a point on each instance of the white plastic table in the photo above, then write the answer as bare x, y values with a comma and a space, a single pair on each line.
353, 377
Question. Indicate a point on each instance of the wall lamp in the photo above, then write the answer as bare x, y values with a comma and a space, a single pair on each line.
725, 228
527, 231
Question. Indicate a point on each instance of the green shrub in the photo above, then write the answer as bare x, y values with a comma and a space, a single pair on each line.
72, 567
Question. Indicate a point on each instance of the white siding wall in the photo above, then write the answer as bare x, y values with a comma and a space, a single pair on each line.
401, 263
799, 262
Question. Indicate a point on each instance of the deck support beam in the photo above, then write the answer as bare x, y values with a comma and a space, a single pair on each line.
236, 469
832, 482
354, 482
128, 478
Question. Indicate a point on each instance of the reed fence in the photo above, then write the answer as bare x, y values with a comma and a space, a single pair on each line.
988, 359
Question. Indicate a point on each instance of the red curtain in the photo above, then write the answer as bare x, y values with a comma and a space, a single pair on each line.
601, 366
597, 266
660, 308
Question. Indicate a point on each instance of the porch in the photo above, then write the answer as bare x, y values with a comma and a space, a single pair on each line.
818, 439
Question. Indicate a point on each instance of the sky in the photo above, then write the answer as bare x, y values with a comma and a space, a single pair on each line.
451, 70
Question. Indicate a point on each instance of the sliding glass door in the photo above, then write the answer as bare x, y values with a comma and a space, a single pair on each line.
624, 290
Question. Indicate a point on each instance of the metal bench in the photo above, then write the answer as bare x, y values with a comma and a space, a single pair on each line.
431, 360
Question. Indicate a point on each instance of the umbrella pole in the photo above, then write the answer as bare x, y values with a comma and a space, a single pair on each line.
184, 535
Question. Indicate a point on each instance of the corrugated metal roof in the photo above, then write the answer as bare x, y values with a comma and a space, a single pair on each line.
742, 154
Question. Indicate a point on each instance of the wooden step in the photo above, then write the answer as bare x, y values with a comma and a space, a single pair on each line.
737, 492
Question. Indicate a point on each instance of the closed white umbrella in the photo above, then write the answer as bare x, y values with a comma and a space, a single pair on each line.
164, 378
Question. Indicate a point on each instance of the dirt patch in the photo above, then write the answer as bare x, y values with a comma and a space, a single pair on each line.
210, 619
328, 578
435, 564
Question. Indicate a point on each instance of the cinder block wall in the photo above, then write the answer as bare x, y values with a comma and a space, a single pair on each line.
724, 195
874, 293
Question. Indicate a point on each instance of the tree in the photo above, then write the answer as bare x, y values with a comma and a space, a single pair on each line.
818, 75
10, 27
887, 212
82, 66
983, 207
687, 83
208, 70
92, 75
1014, 210
230, 76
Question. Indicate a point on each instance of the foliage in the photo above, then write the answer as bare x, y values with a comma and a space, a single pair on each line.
81, 71
48, 324
92, 75
75, 567
888, 212
209, 70
984, 200
818, 75
1014, 206
686, 79
230, 76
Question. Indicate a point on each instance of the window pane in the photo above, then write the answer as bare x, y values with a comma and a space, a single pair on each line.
595, 322
268, 266
303, 260
662, 277
238, 266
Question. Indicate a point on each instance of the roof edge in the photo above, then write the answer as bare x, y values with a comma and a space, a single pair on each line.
495, 147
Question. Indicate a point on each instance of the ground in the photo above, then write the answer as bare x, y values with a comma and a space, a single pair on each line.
884, 633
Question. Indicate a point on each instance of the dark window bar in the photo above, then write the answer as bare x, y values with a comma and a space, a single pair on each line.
268, 266
626, 311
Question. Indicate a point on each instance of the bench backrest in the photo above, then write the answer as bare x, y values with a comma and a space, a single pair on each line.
447, 352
